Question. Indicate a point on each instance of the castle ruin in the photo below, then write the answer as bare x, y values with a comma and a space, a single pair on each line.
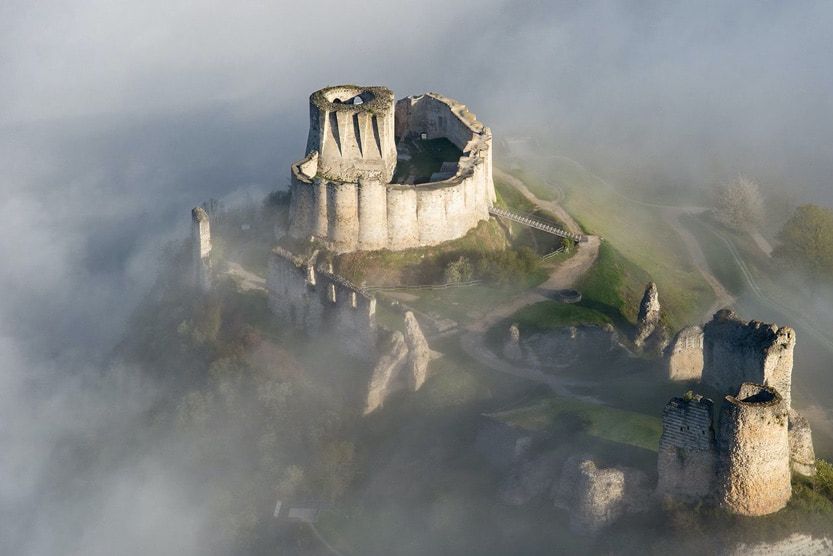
754, 454
201, 240
343, 191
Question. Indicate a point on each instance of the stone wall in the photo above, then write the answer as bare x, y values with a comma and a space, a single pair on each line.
685, 355
753, 451
201, 240
322, 304
802, 454
360, 210
687, 456
329, 308
735, 352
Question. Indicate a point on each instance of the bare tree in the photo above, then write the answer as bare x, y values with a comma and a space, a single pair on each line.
739, 203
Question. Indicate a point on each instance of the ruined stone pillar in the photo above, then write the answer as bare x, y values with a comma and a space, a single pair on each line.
754, 452
201, 238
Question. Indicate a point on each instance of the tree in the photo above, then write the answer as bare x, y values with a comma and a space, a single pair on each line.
808, 241
739, 204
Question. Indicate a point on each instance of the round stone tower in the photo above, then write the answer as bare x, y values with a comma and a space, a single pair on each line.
753, 451
352, 130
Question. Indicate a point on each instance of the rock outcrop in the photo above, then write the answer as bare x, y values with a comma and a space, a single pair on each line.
596, 497
802, 454
419, 354
735, 352
687, 456
685, 355
649, 314
387, 369
753, 451
512, 347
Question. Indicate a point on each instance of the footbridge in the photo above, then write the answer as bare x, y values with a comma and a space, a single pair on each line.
536, 223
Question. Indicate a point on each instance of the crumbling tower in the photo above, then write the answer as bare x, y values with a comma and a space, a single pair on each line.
753, 451
351, 129
687, 457
201, 238
735, 352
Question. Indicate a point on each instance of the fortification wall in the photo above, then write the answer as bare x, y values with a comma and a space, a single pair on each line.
322, 304
753, 451
735, 352
685, 356
367, 212
687, 456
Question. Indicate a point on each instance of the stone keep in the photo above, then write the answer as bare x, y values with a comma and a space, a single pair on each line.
735, 352
341, 191
687, 456
201, 239
754, 451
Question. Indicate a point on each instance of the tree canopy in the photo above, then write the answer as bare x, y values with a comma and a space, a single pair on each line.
808, 241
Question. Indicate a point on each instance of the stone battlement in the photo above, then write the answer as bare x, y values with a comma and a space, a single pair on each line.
341, 190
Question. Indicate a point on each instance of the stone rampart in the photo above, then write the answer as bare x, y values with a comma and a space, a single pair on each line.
735, 352
685, 355
687, 456
356, 208
322, 304
753, 451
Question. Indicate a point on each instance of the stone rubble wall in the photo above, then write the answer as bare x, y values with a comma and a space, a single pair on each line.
753, 451
648, 316
735, 352
802, 454
322, 304
687, 456
325, 305
685, 356
369, 213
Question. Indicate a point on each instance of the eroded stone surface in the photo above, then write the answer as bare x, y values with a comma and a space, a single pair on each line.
685, 355
649, 314
419, 354
391, 362
802, 454
201, 238
796, 544
512, 347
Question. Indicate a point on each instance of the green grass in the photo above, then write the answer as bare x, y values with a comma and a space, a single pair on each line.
608, 423
536, 185
639, 234
552, 314
720, 260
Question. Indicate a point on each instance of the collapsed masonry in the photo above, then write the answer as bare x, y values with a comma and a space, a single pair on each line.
746, 466
323, 304
647, 320
201, 240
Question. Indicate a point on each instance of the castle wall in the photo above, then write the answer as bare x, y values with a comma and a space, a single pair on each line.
754, 454
735, 351
685, 357
352, 212
802, 454
687, 456
322, 304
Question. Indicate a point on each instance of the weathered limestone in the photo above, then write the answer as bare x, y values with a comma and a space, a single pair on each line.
649, 314
351, 129
735, 352
201, 238
802, 454
687, 456
596, 497
393, 358
754, 452
512, 347
341, 191
419, 354
685, 355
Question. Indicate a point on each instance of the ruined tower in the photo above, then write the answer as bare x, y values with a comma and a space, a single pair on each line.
351, 129
201, 238
753, 451
342, 191
735, 352
687, 456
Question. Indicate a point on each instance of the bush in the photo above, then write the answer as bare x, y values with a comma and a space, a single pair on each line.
457, 271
